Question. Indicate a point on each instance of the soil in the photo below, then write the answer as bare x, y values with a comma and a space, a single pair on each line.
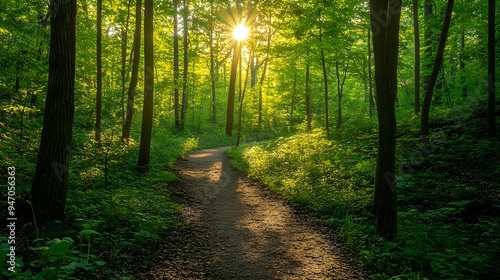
237, 229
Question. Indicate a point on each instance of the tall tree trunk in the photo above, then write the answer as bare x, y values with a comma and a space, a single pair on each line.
308, 93
232, 88
240, 111
385, 18
98, 116
340, 89
325, 80
184, 104
490, 112
370, 80
416, 32
50, 184
212, 68
124, 61
147, 111
428, 41
424, 119
176, 65
135, 71
263, 76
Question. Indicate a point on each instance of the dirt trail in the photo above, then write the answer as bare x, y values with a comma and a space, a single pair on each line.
238, 230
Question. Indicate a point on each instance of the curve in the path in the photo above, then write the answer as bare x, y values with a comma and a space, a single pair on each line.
236, 230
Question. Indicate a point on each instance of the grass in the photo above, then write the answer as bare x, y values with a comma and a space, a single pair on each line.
114, 215
448, 190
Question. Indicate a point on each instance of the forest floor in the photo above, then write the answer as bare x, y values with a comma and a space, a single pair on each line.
237, 229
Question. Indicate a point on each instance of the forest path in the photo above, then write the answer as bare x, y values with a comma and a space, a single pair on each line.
239, 230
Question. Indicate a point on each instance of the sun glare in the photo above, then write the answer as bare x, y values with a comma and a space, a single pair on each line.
240, 32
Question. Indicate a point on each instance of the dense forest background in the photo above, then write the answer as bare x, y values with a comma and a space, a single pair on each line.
305, 121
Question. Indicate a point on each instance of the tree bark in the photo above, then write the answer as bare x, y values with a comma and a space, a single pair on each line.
385, 19
416, 32
340, 89
135, 71
212, 68
490, 111
147, 111
325, 77
308, 93
263, 76
50, 184
98, 117
232, 88
176, 66
124, 73
184, 104
424, 119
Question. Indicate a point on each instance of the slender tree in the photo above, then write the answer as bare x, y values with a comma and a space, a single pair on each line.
232, 88
135, 71
308, 94
184, 104
416, 33
50, 184
212, 66
124, 73
98, 117
325, 73
424, 119
490, 112
176, 65
147, 111
340, 89
385, 19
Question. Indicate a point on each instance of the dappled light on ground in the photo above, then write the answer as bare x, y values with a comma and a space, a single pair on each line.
238, 230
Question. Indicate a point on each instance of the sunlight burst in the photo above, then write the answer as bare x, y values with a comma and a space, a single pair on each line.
240, 32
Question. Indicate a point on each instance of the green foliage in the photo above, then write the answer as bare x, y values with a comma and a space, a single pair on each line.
447, 189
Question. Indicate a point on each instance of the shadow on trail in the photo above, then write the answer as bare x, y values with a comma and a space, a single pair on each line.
237, 231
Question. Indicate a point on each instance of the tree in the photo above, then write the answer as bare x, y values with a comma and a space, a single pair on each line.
417, 56
308, 93
424, 119
325, 73
340, 89
50, 184
186, 65
232, 88
385, 19
176, 65
490, 112
135, 71
147, 111
98, 110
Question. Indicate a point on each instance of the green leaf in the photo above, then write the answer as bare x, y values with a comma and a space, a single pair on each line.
60, 247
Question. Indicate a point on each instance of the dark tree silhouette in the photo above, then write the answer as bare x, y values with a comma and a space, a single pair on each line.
135, 71
50, 184
147, 112
385, 18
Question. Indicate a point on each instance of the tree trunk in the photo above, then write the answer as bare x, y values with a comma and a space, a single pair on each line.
184, 104
294, 92
212, 68
308, 93
124, 74
135, 71
424, 119
263, 76
385, 18
325, 79
417, 56
176, 66
50, 184
428, 41
240, 111
147, 111
490, 112
98, 116
232, 88
370, 79
340, 89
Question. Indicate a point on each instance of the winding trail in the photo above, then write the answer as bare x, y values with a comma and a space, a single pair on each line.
237, 229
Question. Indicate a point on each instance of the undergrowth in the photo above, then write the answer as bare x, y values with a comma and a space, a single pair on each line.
448, 191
